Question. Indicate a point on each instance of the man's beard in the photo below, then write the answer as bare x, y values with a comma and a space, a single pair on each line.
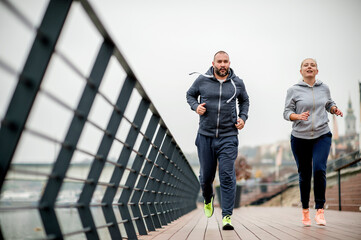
219, 73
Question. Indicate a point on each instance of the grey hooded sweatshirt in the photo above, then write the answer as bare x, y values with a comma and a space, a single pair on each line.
300, 98
220, 97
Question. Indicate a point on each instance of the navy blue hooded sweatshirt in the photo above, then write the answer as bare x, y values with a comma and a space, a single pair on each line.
221, 115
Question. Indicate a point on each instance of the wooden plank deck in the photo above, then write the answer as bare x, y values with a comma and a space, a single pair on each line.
260, 223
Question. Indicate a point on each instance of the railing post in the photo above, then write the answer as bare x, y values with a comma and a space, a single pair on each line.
103, 150
29, 81
77, 125
158, 174
133, 176
24, 96
125, 195
339, 189
152, 219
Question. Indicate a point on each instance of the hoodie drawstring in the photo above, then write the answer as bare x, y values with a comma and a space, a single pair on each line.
210, 76
205, 75
235, 91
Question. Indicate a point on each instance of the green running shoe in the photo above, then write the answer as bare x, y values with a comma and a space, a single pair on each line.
208, 208
227, 225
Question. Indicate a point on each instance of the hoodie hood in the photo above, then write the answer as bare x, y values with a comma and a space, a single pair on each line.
303, 84
231, 75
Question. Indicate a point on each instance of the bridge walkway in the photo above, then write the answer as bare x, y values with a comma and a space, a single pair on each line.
261, 223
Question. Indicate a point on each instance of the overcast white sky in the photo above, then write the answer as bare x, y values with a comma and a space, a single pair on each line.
266, 40
164, 40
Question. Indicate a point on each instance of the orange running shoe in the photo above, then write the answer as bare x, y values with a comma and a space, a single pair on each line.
320, 217
306, 217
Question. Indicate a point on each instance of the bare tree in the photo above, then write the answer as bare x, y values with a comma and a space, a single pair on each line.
243, 169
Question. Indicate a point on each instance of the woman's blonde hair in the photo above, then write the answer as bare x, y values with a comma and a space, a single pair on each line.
311, 59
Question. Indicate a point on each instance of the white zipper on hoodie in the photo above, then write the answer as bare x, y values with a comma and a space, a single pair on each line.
219, 107
314, 109
220, 95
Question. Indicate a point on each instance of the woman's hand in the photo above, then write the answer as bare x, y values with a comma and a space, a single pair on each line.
335, 110
303, 116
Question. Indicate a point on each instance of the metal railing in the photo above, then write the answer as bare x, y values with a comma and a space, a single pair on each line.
151, 182
349, 160
341, 161
258, 193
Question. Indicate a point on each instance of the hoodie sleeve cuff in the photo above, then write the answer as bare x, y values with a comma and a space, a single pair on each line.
194, 107
329, 109
244, 118
288, 116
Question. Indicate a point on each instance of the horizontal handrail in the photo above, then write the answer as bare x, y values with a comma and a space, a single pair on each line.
348, 164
